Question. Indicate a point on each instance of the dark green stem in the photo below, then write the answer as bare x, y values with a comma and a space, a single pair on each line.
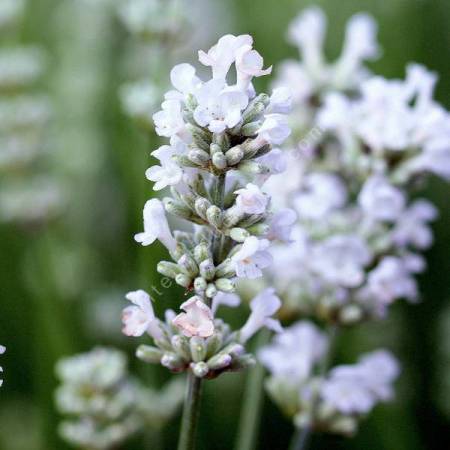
190, 413
252, 402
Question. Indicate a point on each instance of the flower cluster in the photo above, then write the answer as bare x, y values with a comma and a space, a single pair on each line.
24, 114
356, 245
313, 76
334, 401
2, 350
103, 404
220, 154
194, 339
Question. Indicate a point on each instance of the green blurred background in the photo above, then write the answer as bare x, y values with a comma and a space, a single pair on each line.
62, 284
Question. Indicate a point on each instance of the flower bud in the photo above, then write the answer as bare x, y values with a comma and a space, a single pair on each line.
200, 284
187, 199
250, 220
200, 137
231, 217
263, 150
225, 269
213, 344
197, 346
207, 269
225, 285
164, 343
255, 110
183, 280
201, 252
173, 361
149, 354
177, 252
215, 148
219, 160
251, 129
214, 216
183, 161
181, 346
190, 101
168, 269
198, 185
177, 209
243, 361
211, 290
222, 140
259, 229
234, 349
188, 116
239, 234
200, 206
199, 157
200, 369
234, 155
253, 167
251, 147
219, 361
188, 265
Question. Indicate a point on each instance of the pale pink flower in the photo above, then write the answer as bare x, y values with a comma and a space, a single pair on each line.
198, 319
140, 318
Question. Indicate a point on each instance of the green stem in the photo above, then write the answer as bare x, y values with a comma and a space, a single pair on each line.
252, 402
218, 198
190, 413
301, 437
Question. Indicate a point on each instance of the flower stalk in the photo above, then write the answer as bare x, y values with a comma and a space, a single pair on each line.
191, 413
219, 155
252, 402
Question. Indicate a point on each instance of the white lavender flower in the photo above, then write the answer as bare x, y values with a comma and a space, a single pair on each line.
350, 184
314, 76
221, 135
355, 389
333, 401
305, 341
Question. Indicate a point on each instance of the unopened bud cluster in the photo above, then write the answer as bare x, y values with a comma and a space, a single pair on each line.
103, 404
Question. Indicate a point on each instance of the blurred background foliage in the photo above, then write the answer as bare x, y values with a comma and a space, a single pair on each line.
62, 282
